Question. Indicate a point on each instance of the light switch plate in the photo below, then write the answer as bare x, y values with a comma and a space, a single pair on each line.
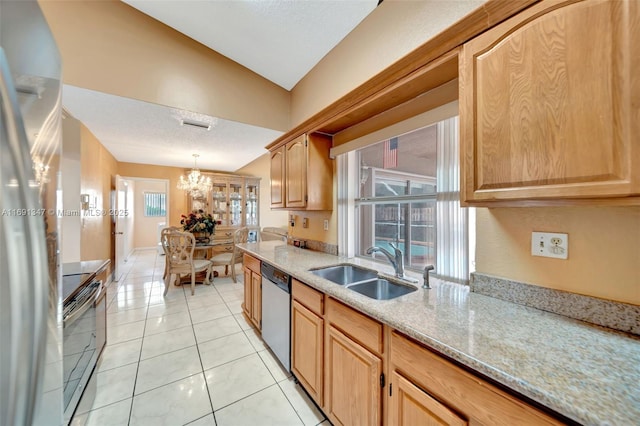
550, 244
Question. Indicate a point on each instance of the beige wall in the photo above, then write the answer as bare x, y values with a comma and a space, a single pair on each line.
315, 231
391, 31
316, 219
604, 249
261, 167
177, 197
113, 48
98, 167
71, 184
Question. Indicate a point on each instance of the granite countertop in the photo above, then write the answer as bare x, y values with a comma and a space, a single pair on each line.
587, 373
85, 267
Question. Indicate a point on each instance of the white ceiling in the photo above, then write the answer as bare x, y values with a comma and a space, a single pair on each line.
278, 39
141, 132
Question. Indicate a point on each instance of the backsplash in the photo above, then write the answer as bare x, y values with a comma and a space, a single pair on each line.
607, 313
314, 245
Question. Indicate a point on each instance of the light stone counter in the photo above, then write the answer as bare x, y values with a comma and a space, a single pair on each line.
584, 372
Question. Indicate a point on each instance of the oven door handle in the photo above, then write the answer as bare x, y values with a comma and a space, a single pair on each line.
77, 313
102, 293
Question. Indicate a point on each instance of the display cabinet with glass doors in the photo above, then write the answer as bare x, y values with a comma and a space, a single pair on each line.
233, 202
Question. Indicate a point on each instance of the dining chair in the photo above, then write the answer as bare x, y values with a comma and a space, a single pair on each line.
162, 232
179, 247
229, 260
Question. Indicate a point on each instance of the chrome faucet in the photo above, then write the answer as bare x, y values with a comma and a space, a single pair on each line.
425, 276
396, 259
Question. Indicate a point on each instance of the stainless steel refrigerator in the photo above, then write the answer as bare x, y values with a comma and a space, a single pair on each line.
30, 197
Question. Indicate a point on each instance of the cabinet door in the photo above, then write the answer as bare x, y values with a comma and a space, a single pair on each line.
256, 300
277, 178
411, 406
547, 104
247, 305
352, 381
296, 172
307, 335
252, 202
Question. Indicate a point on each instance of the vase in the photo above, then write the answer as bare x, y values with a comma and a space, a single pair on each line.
202, 237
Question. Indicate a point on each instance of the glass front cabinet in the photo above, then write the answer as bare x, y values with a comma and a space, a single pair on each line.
233, 202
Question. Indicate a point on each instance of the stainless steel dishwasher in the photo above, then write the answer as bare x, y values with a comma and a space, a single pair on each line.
276, 312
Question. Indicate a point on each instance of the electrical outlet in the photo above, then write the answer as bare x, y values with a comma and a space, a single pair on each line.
305, 222
326, 224
550, 244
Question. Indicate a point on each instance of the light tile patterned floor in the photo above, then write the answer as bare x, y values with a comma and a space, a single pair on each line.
185, 359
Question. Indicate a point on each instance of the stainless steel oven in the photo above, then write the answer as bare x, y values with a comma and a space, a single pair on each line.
84, 335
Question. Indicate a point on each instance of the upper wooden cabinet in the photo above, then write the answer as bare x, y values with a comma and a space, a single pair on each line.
302, 174
550, 105
296, 172
277, 177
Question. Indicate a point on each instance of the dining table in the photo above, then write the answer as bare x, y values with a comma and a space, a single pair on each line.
203, 251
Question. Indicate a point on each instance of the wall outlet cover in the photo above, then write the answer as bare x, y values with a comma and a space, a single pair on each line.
550, 244
326, 224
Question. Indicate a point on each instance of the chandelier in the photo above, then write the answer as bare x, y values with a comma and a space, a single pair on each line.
195, 184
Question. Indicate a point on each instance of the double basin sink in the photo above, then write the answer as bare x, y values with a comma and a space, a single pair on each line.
363, 281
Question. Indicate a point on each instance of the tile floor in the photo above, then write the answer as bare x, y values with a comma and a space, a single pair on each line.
185, 359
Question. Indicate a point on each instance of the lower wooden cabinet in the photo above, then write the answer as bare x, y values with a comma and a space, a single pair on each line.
361, 372
353, 393
432, 390
256, 299
409, 406
353, 366
307, 348
252, 305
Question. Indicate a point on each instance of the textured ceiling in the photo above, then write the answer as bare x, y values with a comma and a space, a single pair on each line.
278, 39
140, 132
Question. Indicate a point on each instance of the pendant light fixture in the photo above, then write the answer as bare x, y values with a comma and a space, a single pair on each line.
195, 183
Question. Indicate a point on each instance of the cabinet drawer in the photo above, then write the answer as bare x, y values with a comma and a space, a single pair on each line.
252, 263
310, 298
358, 326
227, 248
223, 234
462, 391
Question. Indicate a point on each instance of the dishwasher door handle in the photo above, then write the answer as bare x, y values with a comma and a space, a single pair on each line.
281, 286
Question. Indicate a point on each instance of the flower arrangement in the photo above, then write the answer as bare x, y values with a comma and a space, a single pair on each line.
198, 221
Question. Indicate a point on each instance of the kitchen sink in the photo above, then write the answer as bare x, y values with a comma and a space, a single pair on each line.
381, 289
345, 274
363, 281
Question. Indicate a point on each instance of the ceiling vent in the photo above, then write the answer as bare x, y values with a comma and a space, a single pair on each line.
194, 123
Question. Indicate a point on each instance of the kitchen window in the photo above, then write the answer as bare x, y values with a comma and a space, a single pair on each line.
155, 204
405, 190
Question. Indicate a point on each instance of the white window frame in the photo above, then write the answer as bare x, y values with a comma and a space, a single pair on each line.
349, 169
